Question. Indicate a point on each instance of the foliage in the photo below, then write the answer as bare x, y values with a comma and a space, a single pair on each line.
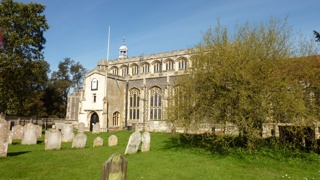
23, 71
247, 78
67, 79
317, 36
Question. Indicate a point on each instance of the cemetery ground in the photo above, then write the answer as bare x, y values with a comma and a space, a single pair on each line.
167, 160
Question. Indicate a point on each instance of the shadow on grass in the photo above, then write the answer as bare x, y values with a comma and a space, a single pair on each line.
17, 153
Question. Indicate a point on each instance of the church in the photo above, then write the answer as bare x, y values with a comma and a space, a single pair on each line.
128, 92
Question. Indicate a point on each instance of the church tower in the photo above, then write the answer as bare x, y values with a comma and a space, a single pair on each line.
123, 51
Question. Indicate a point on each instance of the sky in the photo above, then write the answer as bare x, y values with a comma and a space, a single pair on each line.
79, 28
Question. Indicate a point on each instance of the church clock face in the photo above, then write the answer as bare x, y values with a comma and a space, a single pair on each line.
94, 84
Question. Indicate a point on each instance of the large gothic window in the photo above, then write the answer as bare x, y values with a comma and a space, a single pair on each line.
157, 67
182, 63
115, 71
169, 65
124, 70
116, 119
155, 103
135, 69
134, 104
145, 68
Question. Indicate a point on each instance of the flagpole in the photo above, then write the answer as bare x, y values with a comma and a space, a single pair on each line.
108, 44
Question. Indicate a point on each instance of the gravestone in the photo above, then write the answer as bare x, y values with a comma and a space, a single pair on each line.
29, 134
10, 135
52, 139
145, 147
17, 132
67, 133
39, 131
115, 168
133, 143
79, 141
113, 140
81, 127
96, 128
4, 131
97, 142
58, 125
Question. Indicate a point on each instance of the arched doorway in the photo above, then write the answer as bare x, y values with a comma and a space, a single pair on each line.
93, 120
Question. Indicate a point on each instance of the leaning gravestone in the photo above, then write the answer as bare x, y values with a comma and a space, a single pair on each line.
96, 128
67, 133
97, 142
79, 141
81, 127
4, 131
52, 139
17, 132
113, 140
29, 134
115, 168
133, 143
39, 131
145, 147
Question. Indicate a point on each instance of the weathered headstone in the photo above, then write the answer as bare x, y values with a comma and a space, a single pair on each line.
113, 140
58, 125
67, 133
145, 147
79, 141
29, 134
115, 168
10, 135
97, 142
96, 128
39, 131
52, 139
17, 132
133, 143
81, 127
3, 138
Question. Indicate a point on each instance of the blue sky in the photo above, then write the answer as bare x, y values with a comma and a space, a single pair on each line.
79, 28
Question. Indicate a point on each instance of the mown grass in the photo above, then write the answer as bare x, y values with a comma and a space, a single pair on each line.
166, 160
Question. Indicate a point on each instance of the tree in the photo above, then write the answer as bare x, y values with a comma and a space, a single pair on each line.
23, 70
317, 36
245, 78
66, 80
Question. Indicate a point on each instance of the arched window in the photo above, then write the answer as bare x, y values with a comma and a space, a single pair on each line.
145, 68
169, 65
94, 84
155, 103
115, 71
116, 119
135, 69
157, 67
124, 70
134, 98
182, 63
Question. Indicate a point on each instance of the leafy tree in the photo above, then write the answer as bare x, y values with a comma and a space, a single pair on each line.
22, 66
246, 78
317, 36
67, 79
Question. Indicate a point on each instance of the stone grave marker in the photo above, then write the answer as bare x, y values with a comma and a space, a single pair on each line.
4, 131
39, 131
81, 127
115, 168
17, 132
133, 143
58, 125
67, 133
79, 141
97, 142
10, 135
52, 139
96, 128
146, 140
112, 140
29, 134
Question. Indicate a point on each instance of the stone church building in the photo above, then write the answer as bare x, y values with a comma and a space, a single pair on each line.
128, 92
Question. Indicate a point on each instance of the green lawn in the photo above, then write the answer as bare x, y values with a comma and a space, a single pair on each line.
166, 160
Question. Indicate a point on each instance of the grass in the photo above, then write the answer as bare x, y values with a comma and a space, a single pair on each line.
166, 160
